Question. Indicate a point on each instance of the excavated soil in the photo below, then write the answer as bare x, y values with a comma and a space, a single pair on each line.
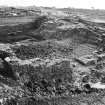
42, 62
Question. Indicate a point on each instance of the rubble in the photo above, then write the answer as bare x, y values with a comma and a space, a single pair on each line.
51, 58
87, 60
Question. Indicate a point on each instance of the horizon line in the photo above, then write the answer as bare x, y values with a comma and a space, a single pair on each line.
92, 8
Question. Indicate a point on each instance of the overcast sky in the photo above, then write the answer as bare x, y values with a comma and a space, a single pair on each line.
97, 4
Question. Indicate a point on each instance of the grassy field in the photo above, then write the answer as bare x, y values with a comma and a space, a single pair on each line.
16, 20
90, 14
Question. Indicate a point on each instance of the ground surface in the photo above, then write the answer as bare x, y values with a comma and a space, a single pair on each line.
52, 57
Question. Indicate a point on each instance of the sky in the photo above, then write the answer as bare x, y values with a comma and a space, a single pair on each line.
97, 4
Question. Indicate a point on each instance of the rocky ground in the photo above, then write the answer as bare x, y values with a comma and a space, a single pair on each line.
58, 59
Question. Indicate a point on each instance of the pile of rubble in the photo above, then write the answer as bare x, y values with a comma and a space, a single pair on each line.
89, 71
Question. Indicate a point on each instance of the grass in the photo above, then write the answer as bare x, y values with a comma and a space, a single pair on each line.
16, 20
92, 13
